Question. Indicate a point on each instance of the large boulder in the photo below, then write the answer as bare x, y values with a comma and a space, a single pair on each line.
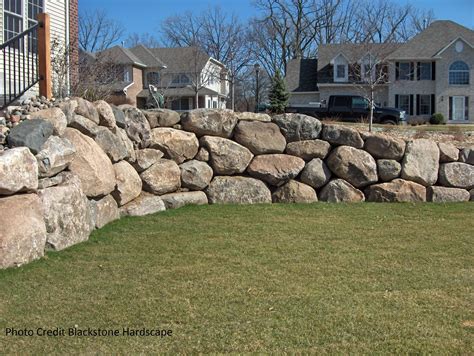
447, 195
129, 184
298, 127
388, 169
421, 162
177, 145
87, 109
385, 147
309, 149
55, 116
340, 191
472, 195
56, 155
146, 158
30, 133
294, 192
398, 190
342, 135
178, 200
105, 211
260, 137
275, 169
316, 173
91, 165
162, 117
145, 204
84, 125
106, 114
23, 232
456, 175
18, 171
467, 155
68, 107
237, 190
66, 214
251, 116
128, 144
119, 117
226, 156
161, 178
195, 175
137, 127
355, 166
210, 122
448, 152
111, 144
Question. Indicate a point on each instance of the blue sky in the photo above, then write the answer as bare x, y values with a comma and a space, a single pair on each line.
146, 15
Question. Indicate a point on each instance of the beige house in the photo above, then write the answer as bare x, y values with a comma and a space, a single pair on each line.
431, 73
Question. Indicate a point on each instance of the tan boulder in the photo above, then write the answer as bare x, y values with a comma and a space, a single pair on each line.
161, 178
146, 158
104, 211
195, 175
340, 191
129, 184
226, 156
210, 122
180, 146
456, 175
18, 171
421, 162
309, 149
260, 137
144, 204
447, 195
106, 114
385, 147
398, 190
162, 118
294, 192
275, 169
178, 200
237, 190
56, 155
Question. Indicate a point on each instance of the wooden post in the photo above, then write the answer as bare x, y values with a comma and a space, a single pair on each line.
44, 56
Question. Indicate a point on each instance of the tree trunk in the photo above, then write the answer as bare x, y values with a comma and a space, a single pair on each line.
371, 111
196, 100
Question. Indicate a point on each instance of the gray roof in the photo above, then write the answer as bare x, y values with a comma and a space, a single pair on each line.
433, 39
181, 59
121, 55
147, 57
302, 75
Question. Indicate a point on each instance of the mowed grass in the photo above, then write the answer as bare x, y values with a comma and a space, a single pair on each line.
321, 278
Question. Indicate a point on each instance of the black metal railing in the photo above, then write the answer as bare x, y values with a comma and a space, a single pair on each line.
19, 68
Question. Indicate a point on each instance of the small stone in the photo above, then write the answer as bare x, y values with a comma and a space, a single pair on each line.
388, 169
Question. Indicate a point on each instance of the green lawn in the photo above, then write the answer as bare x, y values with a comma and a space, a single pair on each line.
321, 278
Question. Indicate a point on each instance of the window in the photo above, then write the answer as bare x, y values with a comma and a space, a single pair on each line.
153, 78
340, 71
425, 104
404, 103
404, 70
214, 104
175, 79
459, 73
425, 71
359, 103
342, 102
126, 76
180, 104
12, 18
184, 79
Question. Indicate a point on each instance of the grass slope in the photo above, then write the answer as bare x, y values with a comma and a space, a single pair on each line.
366, 278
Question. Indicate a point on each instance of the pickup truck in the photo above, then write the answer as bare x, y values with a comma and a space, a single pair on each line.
352, 108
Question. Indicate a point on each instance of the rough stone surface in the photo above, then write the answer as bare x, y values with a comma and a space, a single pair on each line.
251, 116
294, 192
298, 127
177, 145
447, 152
123, 137
30, 133
145, 204
260, 137
53, 181
66, 214
467, 155
342, 135
341, 191
129, 184
388, 169
472, 195
421, 162
316, 173
202, 155
275, 169
309, 149
111, 144
68, 107
91, 165
56, 155
237, 190
87, 109
355, 166
119, 117
105, 210
137, 127
385, 147
162, 118
447, 195
162, 177
106, 114
146, 158
84, 125
195, 175
18, 171
398, 190
456, 175
226, 156
178, 200
22, 241
55, 116
210, 122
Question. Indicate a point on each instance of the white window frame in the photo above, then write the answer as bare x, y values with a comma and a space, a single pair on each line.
459, 71
463, 108
20, 16
429, 104
407, 97
339, 61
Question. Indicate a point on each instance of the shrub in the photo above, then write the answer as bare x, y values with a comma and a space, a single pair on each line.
437, 119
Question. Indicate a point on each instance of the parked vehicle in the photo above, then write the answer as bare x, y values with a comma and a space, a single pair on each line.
352, 108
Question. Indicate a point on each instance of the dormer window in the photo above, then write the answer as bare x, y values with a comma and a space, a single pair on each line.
340, 69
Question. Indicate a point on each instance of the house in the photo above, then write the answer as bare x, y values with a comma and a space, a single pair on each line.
180, 74
20, 15
431, 73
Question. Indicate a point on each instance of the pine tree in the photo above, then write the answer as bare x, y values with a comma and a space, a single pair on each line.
278, 95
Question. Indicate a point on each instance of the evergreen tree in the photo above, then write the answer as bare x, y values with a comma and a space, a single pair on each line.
278, 95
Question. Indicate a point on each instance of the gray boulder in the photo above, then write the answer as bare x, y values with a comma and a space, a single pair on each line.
210, 122
447, 152
162, 118
146, 158
84, 125
178, 200
316, 173
456, 175
106, 114
18, 171
309, 149
177, 145
56, 155
421, 162
260, 137
30, 133
195, 175
128, 144
137, 127
145, 204
87, 109
161, 178
129, 184
237, 190
294, 192
388, 169
398, 190
119, 117
342, 135
251, 116
226, 156
202, 155
68, 107
275, 169
340, 191
298, 127
385, 147
447, 195
55, 116
467, 155
111, 144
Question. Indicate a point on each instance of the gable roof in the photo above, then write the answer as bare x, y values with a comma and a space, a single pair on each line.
428, 43
181, 59
147, 57
121, 55
301, 75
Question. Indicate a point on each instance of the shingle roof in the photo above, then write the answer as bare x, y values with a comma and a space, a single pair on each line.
147, 57
182, 59
121, 55
433, 39
302, 75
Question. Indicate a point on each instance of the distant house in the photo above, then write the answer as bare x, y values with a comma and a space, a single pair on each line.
178, 73
431, 73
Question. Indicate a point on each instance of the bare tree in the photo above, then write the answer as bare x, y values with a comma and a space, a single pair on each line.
97, 31
146, 39
181, 30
